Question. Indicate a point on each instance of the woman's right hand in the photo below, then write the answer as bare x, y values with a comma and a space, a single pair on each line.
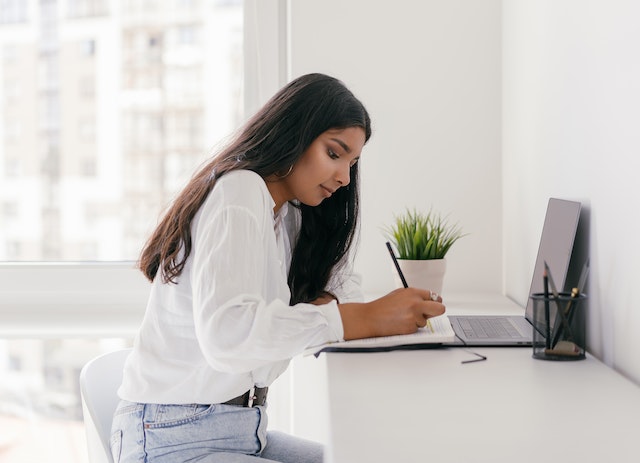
402, 311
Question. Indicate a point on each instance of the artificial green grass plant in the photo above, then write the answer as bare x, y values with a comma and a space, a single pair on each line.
419, 236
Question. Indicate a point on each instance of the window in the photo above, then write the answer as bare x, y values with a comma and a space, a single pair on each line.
75, 212
83, 8
88, 167
187, 35
88, 48
92, 146
13, 11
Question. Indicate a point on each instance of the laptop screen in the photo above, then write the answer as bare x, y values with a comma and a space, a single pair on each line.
556, 246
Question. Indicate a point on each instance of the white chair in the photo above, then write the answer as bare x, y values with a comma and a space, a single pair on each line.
99, 382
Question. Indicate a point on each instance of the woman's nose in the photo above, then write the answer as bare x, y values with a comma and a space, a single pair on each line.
343, 176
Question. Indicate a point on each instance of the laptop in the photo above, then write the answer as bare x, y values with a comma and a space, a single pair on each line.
556, 246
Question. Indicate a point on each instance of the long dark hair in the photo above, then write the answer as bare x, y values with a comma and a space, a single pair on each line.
269, 144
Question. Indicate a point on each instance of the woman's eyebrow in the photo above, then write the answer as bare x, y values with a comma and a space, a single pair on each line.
343, 144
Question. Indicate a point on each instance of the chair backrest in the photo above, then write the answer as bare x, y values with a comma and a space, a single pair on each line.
99, 382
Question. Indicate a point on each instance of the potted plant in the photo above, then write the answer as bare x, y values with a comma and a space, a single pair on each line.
422, 241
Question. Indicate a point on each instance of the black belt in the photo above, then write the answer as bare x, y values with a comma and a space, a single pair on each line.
251, 398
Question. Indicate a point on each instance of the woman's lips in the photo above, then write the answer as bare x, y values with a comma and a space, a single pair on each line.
327, 191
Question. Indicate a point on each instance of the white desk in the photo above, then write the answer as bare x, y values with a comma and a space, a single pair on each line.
425, 406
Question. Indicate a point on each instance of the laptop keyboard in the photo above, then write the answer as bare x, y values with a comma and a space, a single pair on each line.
489, 328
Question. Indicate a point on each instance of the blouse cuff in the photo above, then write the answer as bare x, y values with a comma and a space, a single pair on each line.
335, 321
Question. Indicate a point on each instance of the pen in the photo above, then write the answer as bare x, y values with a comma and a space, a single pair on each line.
561, 313
545, 279
395, 262
575, 292
583, 276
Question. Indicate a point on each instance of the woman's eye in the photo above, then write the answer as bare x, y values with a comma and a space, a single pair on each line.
333, 155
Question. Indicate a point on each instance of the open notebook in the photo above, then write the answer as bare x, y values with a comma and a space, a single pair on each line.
556, 246
438, 331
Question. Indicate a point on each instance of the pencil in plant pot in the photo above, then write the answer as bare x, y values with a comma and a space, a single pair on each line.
422, 241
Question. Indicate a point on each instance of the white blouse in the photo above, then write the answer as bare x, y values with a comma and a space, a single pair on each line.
227, 325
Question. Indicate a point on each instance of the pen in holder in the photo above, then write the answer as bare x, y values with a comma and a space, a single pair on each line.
559, 325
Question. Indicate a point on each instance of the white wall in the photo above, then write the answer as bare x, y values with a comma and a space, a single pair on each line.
571, 126
429, 74
485, 109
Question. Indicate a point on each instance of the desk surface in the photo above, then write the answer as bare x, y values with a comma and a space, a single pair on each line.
419, 406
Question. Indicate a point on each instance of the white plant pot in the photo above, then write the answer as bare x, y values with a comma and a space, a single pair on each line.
425, 274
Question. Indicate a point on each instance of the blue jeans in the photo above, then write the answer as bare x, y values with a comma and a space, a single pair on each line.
153, 433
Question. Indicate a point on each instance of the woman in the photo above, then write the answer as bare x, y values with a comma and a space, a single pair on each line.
249, 267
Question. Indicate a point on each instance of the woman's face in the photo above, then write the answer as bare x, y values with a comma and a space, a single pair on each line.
322, 169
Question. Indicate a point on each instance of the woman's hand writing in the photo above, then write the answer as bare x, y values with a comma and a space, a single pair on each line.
402, 311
